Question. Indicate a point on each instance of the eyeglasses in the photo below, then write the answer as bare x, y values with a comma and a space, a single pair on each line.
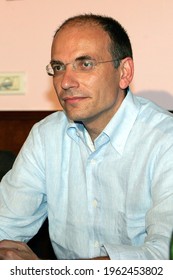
80, 65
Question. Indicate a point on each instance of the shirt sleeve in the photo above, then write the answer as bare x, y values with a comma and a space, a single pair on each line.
22, 192
159, 218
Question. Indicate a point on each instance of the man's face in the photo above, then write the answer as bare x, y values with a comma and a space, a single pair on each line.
91, 97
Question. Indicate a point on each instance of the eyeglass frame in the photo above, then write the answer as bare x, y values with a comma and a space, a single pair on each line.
50, 70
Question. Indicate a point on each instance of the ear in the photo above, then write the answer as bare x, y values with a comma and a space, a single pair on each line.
126, 72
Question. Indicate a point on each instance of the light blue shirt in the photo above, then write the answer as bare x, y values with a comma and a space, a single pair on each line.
112, 198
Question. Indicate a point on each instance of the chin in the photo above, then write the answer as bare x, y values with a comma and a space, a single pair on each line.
75, 117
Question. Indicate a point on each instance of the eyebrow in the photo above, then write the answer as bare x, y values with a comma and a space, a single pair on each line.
76, 59
56, 61
84, 57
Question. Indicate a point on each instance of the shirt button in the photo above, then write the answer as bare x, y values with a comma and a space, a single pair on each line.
95, 203
96, 244
93, 161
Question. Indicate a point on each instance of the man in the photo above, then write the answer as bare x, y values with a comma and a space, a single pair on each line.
102, 170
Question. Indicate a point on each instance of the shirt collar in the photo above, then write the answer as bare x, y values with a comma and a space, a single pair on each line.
74, 130
119, 127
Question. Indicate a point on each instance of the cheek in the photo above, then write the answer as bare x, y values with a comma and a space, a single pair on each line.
108, 89
58, 90
107, 85
56, 85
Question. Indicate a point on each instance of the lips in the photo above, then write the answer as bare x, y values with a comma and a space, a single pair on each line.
73, 99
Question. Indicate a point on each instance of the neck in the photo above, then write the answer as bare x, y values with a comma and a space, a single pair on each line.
96, 126
93, 132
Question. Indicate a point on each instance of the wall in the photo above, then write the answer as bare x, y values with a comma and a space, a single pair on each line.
27, 27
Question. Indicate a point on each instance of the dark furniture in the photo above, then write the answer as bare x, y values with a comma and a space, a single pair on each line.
6, 161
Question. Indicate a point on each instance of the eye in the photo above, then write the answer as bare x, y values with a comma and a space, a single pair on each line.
85, 64
58, 67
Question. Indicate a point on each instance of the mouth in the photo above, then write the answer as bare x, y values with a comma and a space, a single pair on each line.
73, 99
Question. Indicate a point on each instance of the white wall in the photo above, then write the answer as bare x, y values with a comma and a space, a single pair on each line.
27, 27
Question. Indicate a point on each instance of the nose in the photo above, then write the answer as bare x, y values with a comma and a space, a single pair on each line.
69, 79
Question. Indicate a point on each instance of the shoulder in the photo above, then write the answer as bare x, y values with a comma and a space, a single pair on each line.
154, 123
154, 115
56, 117
49, 129
54, 121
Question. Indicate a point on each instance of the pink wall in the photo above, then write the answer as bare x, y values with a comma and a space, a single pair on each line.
27, 27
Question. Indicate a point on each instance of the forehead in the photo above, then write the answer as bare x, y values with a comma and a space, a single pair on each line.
75, 40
